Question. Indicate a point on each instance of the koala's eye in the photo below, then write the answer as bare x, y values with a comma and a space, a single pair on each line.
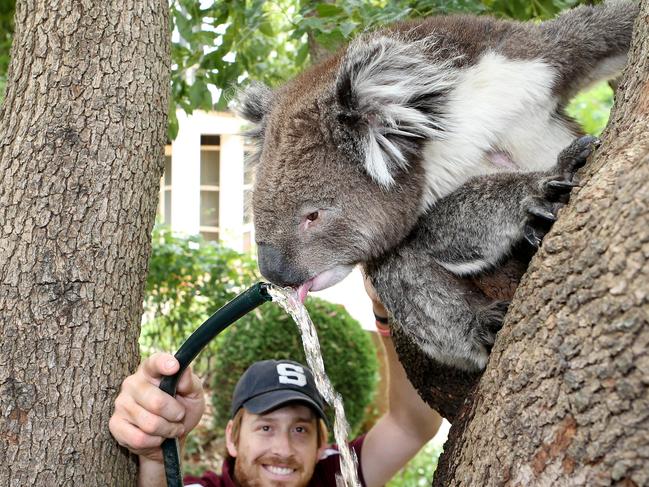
312, 216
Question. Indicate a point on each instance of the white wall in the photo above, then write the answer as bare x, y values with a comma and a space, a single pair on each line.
231, 192
185, 174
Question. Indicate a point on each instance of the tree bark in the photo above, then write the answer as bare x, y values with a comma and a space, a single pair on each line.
565, 397
81, 154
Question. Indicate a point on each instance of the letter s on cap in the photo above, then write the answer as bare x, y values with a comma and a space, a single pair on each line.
291, 374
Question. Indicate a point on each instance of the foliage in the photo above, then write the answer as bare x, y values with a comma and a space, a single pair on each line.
420, 470
269, 333
530, 9
332, 24
189, 278
7, 8
218, 46
223, 44
592, 108
267, 41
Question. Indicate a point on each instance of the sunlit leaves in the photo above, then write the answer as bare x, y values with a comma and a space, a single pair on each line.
592, 108
526, 9
221, 44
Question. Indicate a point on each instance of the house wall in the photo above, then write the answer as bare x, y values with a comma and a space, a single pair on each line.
186, 176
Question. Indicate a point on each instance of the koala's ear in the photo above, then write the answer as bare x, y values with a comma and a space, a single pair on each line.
253, 104
391, 91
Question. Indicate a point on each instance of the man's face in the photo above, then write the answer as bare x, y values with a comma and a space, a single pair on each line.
279, 448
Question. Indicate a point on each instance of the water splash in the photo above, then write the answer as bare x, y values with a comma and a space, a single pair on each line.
287, 299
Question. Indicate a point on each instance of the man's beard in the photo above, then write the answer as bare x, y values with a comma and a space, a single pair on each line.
247, 472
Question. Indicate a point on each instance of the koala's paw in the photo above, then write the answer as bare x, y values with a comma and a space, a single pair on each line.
575, 156
489, 322
542, 209
541, 213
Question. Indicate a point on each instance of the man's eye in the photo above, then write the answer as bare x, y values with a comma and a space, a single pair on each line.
312, 216
300, 429
265, 428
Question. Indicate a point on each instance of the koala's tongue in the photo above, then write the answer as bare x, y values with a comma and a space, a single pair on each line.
303, 290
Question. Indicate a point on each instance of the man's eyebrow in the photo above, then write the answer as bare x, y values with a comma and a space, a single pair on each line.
264, 419
305, 419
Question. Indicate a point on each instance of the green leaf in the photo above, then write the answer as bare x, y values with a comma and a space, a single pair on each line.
347, 28
267, 29
330, 41
302, 54
172, 121
200, 95
212, 60
183, 25
328, 10
222, 104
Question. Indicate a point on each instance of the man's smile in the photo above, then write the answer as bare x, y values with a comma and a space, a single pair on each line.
280, 471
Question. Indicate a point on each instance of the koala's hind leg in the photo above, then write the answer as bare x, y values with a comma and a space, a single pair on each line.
474, 228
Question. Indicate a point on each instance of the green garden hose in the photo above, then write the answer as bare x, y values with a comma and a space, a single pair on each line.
215, 324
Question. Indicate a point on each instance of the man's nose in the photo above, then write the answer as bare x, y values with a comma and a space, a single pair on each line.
281, 444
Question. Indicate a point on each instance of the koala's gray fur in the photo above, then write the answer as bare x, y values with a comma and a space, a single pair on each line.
400, 125
441, 308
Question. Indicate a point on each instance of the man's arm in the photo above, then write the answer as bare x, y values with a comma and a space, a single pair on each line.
407, 426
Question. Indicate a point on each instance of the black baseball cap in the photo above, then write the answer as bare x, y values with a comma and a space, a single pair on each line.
268, 384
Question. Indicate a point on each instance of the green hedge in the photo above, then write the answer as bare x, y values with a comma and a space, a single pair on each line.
269, 333
189, 279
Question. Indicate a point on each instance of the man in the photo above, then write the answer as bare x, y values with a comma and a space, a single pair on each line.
276, 436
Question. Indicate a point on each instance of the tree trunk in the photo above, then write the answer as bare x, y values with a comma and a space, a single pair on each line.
81, 154
565, 397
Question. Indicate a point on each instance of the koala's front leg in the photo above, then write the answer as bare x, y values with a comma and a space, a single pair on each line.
447, 317
557, 185
474, 228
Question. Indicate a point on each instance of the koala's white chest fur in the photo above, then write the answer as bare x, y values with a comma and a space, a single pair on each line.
500, 106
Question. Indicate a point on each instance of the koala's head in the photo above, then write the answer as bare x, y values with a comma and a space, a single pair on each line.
339, 179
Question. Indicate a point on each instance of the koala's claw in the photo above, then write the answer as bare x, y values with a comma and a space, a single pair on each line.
576, 154
555, 187
542, 213
490, 321
533, 235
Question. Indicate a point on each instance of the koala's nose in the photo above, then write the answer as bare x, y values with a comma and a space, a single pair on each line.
277, 268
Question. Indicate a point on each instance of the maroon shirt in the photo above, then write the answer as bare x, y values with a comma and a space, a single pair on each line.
324, 474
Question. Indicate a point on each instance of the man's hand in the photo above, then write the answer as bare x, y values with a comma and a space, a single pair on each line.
144, 415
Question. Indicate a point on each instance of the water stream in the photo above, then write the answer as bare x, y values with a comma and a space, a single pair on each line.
287, 299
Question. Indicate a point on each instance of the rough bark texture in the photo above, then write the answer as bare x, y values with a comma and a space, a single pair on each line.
81, 153
565, 397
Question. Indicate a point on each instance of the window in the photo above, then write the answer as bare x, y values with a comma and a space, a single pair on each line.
209, 187
248, 172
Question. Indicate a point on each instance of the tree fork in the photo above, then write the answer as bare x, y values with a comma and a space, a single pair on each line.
81, 154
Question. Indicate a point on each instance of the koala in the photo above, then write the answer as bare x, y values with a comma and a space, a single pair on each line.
428, 148
427, 280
